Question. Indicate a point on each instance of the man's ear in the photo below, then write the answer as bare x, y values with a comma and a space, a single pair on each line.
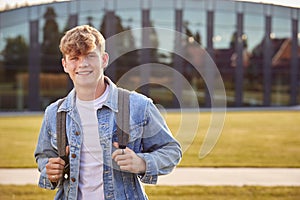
63, 62
105, 59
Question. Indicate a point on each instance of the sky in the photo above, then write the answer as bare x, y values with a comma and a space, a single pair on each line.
293, 3
12, 3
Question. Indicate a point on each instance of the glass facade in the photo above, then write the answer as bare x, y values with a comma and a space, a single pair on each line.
254, 46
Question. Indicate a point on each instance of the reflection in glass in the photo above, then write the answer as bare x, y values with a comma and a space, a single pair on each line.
281, 60
13, 61
194, 27
161, 18
253, 89
224, 50
189, 16
53, 80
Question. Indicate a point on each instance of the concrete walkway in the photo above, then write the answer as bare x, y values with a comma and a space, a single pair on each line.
190, 176
233, 177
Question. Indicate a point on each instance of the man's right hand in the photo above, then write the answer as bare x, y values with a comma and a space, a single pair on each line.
55, 167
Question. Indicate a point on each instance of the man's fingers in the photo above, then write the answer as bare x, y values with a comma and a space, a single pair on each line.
57, 160
54, 167
129, 161
116, 144
54, 177
67, 150
55, 172
119, 152
123, 162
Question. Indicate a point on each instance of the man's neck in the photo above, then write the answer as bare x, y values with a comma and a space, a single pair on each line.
91, 93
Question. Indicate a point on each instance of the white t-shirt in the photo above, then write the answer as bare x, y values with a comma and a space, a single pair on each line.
91, 158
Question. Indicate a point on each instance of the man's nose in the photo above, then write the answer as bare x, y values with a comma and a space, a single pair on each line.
83, 62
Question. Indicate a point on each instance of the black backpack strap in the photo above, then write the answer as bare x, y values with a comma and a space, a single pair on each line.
62, 139
123, 116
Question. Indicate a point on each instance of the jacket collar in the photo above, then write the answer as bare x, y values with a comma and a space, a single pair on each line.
111, 101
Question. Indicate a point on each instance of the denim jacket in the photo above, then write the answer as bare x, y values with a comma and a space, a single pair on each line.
150, 138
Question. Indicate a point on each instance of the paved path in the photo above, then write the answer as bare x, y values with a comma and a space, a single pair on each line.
233, 177
190, 176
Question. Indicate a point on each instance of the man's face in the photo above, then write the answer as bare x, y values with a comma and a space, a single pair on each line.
86, 70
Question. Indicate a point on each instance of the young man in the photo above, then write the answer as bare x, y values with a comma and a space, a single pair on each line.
98, 169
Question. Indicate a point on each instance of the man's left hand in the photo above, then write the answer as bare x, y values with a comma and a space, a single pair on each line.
128, 160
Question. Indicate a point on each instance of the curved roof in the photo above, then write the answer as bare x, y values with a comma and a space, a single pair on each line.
8, 4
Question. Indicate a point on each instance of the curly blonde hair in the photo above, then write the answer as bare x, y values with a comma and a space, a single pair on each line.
81, 40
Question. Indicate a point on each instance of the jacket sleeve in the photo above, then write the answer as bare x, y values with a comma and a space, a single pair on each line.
45, 150
161, 151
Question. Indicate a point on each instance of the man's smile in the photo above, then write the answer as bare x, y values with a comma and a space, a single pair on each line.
84, 72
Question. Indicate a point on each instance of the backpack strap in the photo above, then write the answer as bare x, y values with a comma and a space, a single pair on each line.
61, 131
62, 139
123, 116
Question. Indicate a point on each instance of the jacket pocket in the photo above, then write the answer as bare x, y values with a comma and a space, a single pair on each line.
53, 139
135, 137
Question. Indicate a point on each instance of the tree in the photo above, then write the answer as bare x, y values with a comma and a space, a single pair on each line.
198, 38
89, 20
50, 59
234, 39
118, 25
190, 36
15, 55
122, 44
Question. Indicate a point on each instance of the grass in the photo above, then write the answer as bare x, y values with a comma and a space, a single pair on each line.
18, 139
222, 193
26, 192
248, 139
251, 139
29, 192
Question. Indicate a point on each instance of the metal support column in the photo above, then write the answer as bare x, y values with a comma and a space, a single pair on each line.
110, 30
34, 67
294, 73
145, 52
267, 72
239, 70
72, 22
210, 50
177, 62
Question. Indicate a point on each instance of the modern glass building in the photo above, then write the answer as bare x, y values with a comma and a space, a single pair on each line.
254, 46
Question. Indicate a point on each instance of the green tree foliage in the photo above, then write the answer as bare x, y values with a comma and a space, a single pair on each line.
15, 54
122, 43
50, 59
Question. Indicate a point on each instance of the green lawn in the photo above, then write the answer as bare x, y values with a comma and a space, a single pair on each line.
29, 192
248, 139
251, 139
18, 139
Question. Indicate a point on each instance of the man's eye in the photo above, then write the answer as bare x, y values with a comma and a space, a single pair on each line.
74, 58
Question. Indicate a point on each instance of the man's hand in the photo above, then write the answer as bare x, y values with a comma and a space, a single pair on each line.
55, 167
128, 160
